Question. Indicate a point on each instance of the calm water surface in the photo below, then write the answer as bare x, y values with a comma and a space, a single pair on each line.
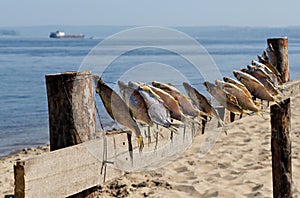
24, 62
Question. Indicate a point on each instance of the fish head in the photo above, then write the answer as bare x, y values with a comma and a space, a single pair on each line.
251, 67
228, 79
245, 70
133, 85
95, 79
208, 85
158, 85
219, 83
237, 74
188, 88
122, 85
100, 83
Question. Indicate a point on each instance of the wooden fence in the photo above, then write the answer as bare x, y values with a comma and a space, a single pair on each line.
81, 165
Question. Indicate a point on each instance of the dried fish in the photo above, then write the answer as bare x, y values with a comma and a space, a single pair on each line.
272, 73
263, 79
244, 101
202, 103
238, 84
135, 102
156, 110
170, 103
255, 87
118, 110
186, 106
224, 98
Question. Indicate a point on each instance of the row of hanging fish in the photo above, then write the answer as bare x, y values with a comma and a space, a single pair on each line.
260, 80
161, 103
158, 103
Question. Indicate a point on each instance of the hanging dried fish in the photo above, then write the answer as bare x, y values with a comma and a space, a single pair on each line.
224, 98
156, 110
245, 102
263, 79
238, 84
255, 87
186, 106
118, 110
135, 102
202, 103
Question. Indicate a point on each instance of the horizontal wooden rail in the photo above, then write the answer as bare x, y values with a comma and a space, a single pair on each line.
70, 170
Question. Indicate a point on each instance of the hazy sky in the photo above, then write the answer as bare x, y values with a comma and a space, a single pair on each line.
150, 12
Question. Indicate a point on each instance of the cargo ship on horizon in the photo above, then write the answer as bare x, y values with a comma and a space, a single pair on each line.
60, 34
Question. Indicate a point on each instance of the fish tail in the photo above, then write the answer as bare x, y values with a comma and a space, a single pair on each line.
139, 137
140, 143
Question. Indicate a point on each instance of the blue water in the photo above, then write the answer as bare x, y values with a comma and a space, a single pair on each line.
25, 59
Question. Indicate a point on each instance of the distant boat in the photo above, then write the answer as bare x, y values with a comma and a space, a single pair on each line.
59, 34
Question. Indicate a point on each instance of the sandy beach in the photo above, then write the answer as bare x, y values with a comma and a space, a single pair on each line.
239, 165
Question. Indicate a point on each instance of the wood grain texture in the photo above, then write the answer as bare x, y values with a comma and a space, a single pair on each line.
71, 108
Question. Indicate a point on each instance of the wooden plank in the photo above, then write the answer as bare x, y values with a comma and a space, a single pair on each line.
74, 169
62, 172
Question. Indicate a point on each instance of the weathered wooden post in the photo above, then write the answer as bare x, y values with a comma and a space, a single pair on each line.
281, 125
71, 107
